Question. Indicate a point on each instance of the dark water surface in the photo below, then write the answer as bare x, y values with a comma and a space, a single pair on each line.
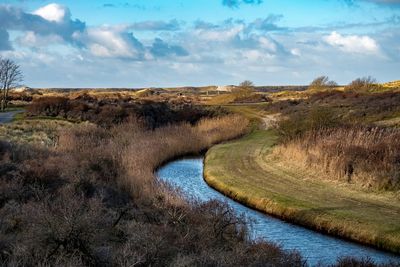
315, 247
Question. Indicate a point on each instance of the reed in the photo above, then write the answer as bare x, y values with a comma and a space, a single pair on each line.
368, 156
139, 152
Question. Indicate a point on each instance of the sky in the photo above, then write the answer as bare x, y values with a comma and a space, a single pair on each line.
160, 43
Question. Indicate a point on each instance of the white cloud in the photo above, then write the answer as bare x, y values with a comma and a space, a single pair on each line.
31, 39
268, 44
53, 12
353, 43
295, 52
111, 42
219, 35
255, 55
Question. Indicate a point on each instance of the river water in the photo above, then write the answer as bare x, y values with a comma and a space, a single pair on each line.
187, 174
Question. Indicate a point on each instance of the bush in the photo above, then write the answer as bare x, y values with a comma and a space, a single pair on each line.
49, 106
322, 82
362, 84
298, 124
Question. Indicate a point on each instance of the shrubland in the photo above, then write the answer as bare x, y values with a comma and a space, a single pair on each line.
359, 107
91, 199
109, 112
336, 133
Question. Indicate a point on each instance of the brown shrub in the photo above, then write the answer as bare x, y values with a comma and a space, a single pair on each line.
49, 106
363, 84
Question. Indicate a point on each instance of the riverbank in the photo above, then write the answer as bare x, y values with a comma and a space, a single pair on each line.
246, 171
319, 249
106, 185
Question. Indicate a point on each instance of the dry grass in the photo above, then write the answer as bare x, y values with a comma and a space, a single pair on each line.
362, 155
221, 99
392, 84
156, 146
43, 132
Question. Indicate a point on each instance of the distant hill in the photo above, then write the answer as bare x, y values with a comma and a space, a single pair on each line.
393, 84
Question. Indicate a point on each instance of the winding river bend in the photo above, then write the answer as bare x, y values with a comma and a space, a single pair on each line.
315, 247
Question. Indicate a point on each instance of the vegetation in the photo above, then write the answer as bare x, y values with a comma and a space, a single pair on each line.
244, 89
347, 107
77, 183
362, 84
91, 199
336, 133
322, 82
329, 150
247, 171
392, 84
368, 156
109, 112
36, 131
10, 76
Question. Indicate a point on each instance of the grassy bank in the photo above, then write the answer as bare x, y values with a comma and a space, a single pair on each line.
247, 171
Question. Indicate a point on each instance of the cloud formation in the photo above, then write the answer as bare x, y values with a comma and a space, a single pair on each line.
49, 20
5, 43
172, 25
237, 3
162, 49
353, 43
50, 40
111, 42
52, 24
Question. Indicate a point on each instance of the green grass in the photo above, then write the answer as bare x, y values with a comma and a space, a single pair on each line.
246, 171
19, 116
22, 117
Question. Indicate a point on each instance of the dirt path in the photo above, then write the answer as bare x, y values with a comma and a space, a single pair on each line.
6, 117
270, 120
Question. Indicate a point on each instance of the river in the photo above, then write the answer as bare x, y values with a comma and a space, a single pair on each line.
187, 174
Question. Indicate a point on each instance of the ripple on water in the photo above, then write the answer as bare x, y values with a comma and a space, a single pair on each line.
315, 247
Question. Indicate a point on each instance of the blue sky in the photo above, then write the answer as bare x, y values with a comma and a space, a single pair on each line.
143, 43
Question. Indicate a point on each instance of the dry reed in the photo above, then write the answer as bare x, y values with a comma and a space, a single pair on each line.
369, 156
138, 152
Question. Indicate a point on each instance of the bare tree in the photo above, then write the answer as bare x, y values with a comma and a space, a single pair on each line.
322, 82
244, 89
10, 76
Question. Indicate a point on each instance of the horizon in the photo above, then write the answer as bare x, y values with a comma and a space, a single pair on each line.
141, 44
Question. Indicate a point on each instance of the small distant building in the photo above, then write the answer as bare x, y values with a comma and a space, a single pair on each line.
225, 88
20, 89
